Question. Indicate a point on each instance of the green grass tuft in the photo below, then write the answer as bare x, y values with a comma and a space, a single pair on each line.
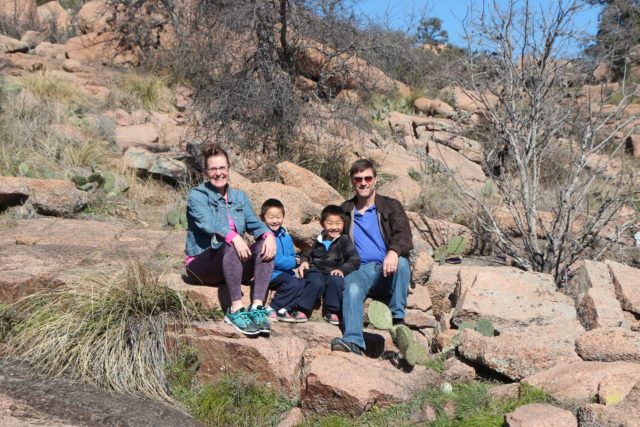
108, 331
50, 87
133, 92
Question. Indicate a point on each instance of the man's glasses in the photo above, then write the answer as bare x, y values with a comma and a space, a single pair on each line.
222, 169
359, 179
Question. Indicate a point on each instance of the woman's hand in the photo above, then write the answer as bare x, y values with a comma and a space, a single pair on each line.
269, 248
337, 273
241, 247
303, 266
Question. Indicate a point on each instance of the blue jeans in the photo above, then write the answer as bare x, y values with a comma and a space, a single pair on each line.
369, 281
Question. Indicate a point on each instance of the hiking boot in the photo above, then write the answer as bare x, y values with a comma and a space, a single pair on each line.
242, 322
259, 317
338, 344
284, 316
332, 318
298, 317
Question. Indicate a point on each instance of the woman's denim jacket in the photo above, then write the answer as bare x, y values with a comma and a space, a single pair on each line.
208, 221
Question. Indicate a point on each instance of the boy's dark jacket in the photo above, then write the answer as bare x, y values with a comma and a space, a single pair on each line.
342, 255
393, 220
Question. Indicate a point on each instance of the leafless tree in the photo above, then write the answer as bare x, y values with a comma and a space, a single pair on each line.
546, 151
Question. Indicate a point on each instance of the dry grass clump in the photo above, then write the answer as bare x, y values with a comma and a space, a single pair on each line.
108, 331
134, 91
50, 87
439, 196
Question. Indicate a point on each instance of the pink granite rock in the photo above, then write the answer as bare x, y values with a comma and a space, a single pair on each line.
626, 413
540, 415
626, 280
609, 345
596, 295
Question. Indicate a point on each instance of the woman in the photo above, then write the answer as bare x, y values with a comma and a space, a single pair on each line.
218, 217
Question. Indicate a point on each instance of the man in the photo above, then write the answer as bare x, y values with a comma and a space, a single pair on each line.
381, 233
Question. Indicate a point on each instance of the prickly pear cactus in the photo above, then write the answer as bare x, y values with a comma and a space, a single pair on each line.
403, 337
416, 354
79, 180
109, 184
485, 327
467, 325
456, 245
380, 315
440, 254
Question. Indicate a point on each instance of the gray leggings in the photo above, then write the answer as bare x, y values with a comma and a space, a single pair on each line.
222, 265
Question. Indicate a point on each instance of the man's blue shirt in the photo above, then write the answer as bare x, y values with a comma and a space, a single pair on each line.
368, 237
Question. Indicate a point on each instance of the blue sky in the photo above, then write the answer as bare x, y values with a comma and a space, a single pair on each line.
451, 12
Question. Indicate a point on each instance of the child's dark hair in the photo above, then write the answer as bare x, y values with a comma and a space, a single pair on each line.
271, 203
331, 210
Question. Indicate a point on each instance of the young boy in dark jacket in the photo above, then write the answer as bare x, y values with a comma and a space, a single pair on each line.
324, 266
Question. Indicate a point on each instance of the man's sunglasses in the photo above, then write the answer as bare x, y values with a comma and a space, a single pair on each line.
359, 179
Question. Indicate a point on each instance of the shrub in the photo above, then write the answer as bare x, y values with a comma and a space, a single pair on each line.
108, 331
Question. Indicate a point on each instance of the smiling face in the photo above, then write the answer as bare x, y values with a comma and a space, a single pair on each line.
217, 171
364, 182
333, 225
274, 218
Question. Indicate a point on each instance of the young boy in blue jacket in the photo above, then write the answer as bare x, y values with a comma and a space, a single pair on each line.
283, 280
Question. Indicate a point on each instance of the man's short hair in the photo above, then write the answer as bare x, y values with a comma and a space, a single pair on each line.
331, 210
271, 203
361, 165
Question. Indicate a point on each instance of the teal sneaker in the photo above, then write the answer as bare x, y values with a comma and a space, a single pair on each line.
242, 322
259, 317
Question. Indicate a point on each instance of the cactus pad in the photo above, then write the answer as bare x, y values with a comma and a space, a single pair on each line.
416, 354
402, 337
466, 325
485, 327
380, 315
440, 253
456, 245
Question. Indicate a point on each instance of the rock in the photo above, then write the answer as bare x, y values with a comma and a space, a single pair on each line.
370, 382
99, 93
212, 298
419, 298
140, 116
509, 391
425, 414
468, 173
422, 266
405, 189
51, 50
625, 282
577, 382
445, 338
33, 38
103, 48
155, 163
433, 107
469, 100
292, 418
300, 208
311, 184
275, 362
72, 66
419, 319
512, 299
632, 145
517, 354
469, 148
626, 413
540, 415
94, 17
456, 370
350, 96
596, 295
67, 131
47, 196
9, 45
22, 13
142, 136
613, 389
441, 284
609, 345
54, 17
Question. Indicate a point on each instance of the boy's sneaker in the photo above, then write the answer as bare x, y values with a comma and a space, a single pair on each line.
298, 317
271, 314
338, 344
241, 321
259, 317
284, 316
332, 318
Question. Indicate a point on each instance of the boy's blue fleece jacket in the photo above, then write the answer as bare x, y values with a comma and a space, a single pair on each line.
285, 260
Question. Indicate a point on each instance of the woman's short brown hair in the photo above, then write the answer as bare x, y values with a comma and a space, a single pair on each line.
213, 150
